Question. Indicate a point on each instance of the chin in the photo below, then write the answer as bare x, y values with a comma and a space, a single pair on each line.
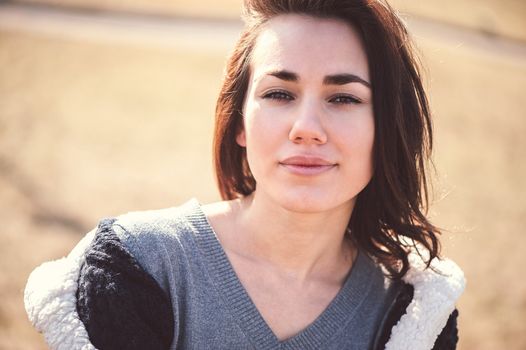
310, 202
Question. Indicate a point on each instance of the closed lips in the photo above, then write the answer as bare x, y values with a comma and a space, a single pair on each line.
305, 166
307, 162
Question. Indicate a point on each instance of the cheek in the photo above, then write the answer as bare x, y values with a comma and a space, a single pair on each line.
365, 141
368, 134
357, 142
260, 142
266, 136
263, 131
256, 137
367, 150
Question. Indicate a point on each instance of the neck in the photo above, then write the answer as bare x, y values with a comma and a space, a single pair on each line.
302, 245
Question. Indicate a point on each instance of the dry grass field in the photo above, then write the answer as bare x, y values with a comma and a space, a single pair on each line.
94, 126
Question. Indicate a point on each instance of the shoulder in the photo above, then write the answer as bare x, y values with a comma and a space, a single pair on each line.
117, 300
117, 258
423, 313
174, 223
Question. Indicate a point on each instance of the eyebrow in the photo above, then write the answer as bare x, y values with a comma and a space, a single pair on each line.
334, 79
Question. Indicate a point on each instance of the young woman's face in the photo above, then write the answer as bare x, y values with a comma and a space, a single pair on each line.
308, 116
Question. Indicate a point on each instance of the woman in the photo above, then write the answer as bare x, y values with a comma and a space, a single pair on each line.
322, 135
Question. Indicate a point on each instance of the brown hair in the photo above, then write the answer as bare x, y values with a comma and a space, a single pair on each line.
394, 203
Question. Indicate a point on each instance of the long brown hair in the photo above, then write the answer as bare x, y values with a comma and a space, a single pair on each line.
394, 203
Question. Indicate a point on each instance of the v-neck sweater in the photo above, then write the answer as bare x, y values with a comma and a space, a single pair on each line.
212, 309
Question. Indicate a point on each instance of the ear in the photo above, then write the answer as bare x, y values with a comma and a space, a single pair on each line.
241, 138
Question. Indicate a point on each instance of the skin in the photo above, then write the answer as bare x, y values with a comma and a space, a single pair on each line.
290, 230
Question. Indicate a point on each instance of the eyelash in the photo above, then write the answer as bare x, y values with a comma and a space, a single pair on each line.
278, 95
281, 95
350, 99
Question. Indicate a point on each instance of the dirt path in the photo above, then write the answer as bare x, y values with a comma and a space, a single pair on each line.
208, 34
118, 27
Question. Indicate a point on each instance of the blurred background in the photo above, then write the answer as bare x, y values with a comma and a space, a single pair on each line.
106, 106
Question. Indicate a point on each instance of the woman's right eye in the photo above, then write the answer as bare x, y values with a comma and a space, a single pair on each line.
278, 95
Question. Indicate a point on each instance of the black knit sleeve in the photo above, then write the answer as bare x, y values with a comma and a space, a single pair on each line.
394, 312
448, 338
121, 305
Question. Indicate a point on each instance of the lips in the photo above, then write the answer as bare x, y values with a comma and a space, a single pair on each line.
307, 165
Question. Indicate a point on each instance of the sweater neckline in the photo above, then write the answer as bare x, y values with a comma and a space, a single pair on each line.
340, 311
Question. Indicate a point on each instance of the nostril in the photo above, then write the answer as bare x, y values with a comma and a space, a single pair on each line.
303, 132
317, 140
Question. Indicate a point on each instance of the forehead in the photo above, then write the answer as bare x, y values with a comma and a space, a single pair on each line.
309, 45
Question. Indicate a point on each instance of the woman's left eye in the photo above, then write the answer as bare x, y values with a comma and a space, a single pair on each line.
345, 99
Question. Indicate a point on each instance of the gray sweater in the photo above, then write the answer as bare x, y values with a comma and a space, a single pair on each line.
179, 249
163, 278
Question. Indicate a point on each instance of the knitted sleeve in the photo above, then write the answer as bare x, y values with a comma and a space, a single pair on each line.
121, 305
449, 337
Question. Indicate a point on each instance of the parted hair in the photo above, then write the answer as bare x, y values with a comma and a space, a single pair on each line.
389, 217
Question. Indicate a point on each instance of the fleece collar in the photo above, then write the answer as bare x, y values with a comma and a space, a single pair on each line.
50, 302
436, 290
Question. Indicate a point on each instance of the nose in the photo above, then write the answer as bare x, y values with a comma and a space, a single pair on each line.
308, 127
